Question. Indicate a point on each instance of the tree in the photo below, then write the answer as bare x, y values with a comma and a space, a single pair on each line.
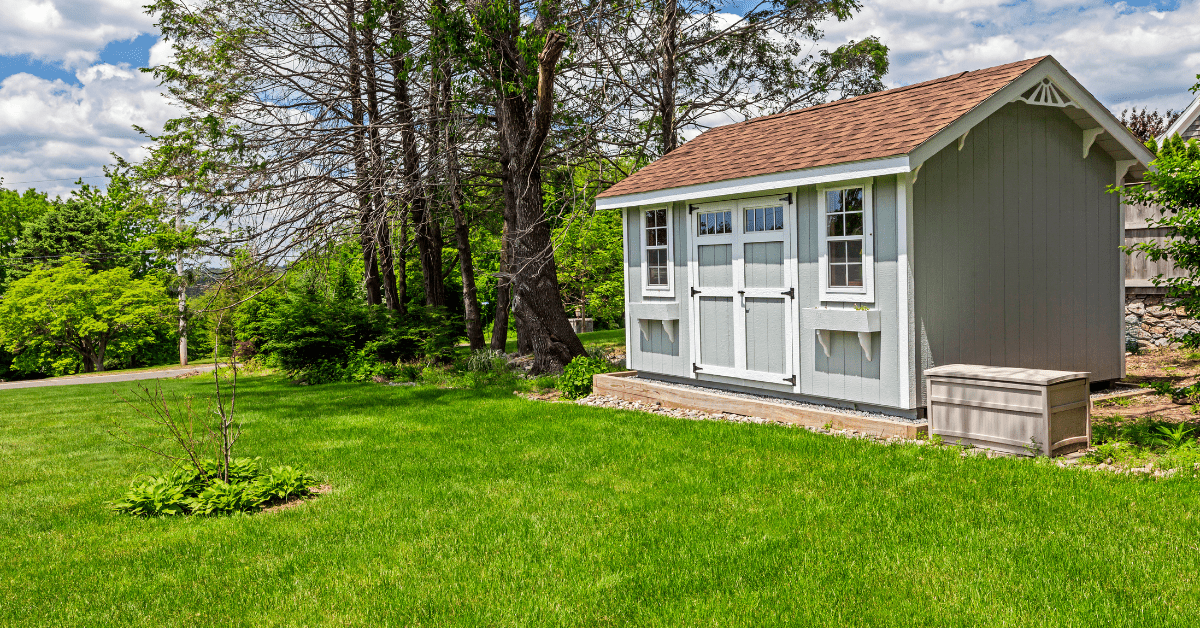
16, 211
1148, 124
106, 228
1173, 183
73, 307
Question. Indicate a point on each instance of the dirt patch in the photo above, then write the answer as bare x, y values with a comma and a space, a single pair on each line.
1179, 367
323, 489
549, 395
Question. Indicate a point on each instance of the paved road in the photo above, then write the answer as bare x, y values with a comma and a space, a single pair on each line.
107, 379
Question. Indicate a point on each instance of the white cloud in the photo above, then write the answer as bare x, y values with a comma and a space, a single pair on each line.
71, 32
53, 130
1124, 55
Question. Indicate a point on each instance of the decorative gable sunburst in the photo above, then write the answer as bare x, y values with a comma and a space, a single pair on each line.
1048, 94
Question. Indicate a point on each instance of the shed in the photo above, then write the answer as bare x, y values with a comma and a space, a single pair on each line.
831, 254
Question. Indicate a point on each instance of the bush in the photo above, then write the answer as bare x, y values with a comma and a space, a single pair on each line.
576, 379
202, 492
337, 341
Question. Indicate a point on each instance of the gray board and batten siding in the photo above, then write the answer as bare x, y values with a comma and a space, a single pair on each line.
845, 378
1017, 260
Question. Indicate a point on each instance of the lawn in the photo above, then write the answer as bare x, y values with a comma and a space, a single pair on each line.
607, 339
473, 508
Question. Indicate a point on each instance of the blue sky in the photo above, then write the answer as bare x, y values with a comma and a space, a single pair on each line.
70, 89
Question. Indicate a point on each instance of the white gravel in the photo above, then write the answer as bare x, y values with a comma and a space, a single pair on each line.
789, 402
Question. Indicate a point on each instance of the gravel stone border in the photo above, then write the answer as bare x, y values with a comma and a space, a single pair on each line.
781, 400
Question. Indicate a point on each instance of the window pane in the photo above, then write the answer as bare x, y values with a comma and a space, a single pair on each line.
836, 224
726, 222
778, 218
660, 218
649, 219
855, 274
854, 248
748, 224
837, 252
854, 198
656, 257
837, 276
833, 201
703, 222
758, 220
854, 223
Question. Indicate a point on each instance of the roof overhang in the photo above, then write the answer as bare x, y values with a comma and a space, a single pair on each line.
762, 183
1087, 112
1181, 123
1100, 130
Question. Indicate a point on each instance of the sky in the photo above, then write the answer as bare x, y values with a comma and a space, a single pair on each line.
70, 89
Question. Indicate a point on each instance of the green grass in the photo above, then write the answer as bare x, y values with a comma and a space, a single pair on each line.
607, 339
479, 508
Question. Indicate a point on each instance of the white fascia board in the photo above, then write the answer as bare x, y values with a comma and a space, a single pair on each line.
1188, 116
1047, 67
762, 183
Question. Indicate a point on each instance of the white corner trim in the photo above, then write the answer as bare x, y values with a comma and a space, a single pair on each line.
904, 336
763, 183
1089, 138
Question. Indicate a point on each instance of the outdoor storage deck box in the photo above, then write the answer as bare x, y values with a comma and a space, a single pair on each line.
1024, 411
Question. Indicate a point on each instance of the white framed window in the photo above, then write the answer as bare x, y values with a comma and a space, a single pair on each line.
846, 252
657, 267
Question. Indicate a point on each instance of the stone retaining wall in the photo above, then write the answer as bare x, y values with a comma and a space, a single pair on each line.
1153, 321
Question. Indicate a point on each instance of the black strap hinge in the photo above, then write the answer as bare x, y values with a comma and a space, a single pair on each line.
786, 198
692, 208
695, 369
791, 380
791, 292
695, 292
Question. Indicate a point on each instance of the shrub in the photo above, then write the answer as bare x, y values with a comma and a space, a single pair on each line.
201, 492
220, 498
283, 482
576, 379
154, 497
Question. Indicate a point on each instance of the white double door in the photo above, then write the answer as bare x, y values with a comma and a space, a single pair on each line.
743, 285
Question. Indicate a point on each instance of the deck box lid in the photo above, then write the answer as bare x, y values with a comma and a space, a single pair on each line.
1039, 377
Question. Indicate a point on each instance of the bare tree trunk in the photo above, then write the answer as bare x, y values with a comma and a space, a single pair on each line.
668, 51
381, 227
183, 353
362, 165
503, 294
462, 232
401, 256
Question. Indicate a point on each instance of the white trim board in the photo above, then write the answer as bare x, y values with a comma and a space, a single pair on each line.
762, 183
1185, 119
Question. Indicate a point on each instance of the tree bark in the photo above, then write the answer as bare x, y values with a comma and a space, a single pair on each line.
668, 74
362, 166
503, 294
524, 127
462, 230
381, 226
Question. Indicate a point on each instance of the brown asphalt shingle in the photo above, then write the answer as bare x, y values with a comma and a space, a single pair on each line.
883, 124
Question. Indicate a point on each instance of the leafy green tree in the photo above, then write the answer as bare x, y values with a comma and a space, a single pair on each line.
16, 211
590, 269
71, 307
109, 228
1174, 185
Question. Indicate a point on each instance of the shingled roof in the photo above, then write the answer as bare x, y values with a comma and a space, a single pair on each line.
884, 124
